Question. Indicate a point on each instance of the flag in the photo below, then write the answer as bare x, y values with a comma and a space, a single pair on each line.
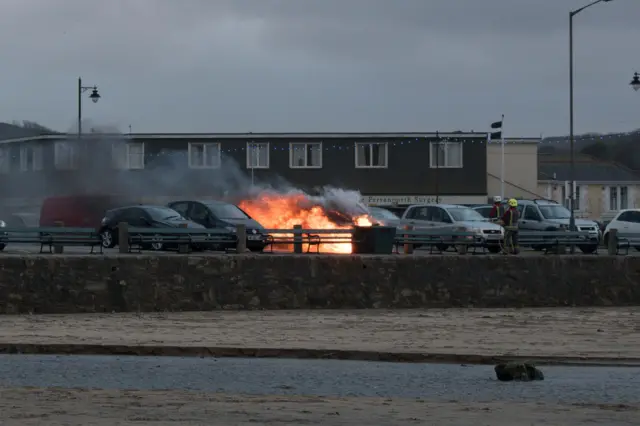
497, 125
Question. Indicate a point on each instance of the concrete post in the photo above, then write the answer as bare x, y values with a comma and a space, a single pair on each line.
297, 239
612, 244
408, 247
123, 237
241, 233
57, 248
463, 248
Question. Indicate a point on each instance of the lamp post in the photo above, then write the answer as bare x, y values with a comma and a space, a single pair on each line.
635, 83
94, 96
572, 220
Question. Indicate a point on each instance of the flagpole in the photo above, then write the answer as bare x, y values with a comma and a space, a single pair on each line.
502, 159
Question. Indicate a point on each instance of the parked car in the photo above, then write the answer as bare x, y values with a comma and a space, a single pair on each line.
384, 217
4, 234
626, 221
218, 214
484, 210
545, 215
81, 211
143, 216
444, 216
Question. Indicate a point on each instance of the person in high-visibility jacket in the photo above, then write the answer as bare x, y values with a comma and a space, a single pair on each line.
510, 223
497, 210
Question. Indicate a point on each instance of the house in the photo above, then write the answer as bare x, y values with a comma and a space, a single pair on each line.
601, 186
520, 168
386, 168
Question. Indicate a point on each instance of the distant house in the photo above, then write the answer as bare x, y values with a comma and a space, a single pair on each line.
601, 186
520, 168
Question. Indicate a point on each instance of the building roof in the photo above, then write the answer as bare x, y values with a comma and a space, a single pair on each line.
10, 131
587, 169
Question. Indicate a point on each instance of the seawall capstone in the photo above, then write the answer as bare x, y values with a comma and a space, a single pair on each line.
148, 283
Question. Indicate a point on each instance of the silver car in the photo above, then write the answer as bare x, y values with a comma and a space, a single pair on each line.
384, 217
458, 218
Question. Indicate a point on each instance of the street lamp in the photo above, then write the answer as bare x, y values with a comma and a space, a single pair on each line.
94, 96
635, 83
572, 220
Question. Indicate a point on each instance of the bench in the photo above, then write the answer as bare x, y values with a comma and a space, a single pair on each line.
626, 241
53, 236
554, 239
311, 238
437, 239
140, 238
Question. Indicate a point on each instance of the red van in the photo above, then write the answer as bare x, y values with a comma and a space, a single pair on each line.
79, 211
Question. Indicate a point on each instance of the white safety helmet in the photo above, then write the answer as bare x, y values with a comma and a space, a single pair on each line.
497, 199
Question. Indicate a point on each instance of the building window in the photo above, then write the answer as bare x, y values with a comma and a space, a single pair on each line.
30, 158
65, 156
204, 155
372, 155
618, 198
305, 155
445, 155
128, 155
257, 155
5, 160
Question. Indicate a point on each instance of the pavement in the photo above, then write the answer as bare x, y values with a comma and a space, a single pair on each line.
35, 249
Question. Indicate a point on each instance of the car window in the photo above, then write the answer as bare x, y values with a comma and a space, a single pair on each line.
555, 212
484, 211
461, 214
162, 213
227, 211
420, 213
380, 213
531, 213
624, 217
181, 208
438, 214
634, 217
199, 212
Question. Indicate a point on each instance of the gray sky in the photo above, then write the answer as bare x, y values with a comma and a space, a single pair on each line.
320, 65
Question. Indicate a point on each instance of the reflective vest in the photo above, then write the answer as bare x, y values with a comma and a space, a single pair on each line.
512, 216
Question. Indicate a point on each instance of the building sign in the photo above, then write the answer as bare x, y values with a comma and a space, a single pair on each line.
382, 200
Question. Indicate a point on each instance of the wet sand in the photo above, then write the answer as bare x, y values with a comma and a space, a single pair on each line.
57, 407
564, 332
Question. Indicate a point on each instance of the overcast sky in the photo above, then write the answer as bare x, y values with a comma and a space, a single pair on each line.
320, 65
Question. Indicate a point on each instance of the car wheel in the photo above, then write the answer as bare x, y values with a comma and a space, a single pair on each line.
157, 243
442, 247
2, 246
257, 249
494, 249
107, 238
589, 249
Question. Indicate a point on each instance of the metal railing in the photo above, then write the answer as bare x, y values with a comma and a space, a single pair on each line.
299, 240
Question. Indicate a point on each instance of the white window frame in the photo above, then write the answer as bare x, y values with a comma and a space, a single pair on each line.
36, 158
65, 155
433, 159
5, 159
386, 155
617, 190
121, 155
250, 146
205, 145
292, 146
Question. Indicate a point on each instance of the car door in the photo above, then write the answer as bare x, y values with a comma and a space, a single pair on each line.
634, 222
530, 219
439, 217
136, 217
199, 213
418, 217
624, 222
181, 207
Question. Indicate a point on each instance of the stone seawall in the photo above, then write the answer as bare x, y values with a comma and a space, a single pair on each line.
94, 283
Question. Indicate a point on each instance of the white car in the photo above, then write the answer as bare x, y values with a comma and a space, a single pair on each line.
458, 218
627, 221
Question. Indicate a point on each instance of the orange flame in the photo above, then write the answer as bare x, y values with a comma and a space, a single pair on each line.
277, 211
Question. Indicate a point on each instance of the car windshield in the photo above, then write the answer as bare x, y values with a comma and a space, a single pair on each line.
163, 213
484, 211
380, 213
227, 211
463, 214
555, 212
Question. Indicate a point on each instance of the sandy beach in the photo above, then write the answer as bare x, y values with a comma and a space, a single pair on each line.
567, 332
58, 407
